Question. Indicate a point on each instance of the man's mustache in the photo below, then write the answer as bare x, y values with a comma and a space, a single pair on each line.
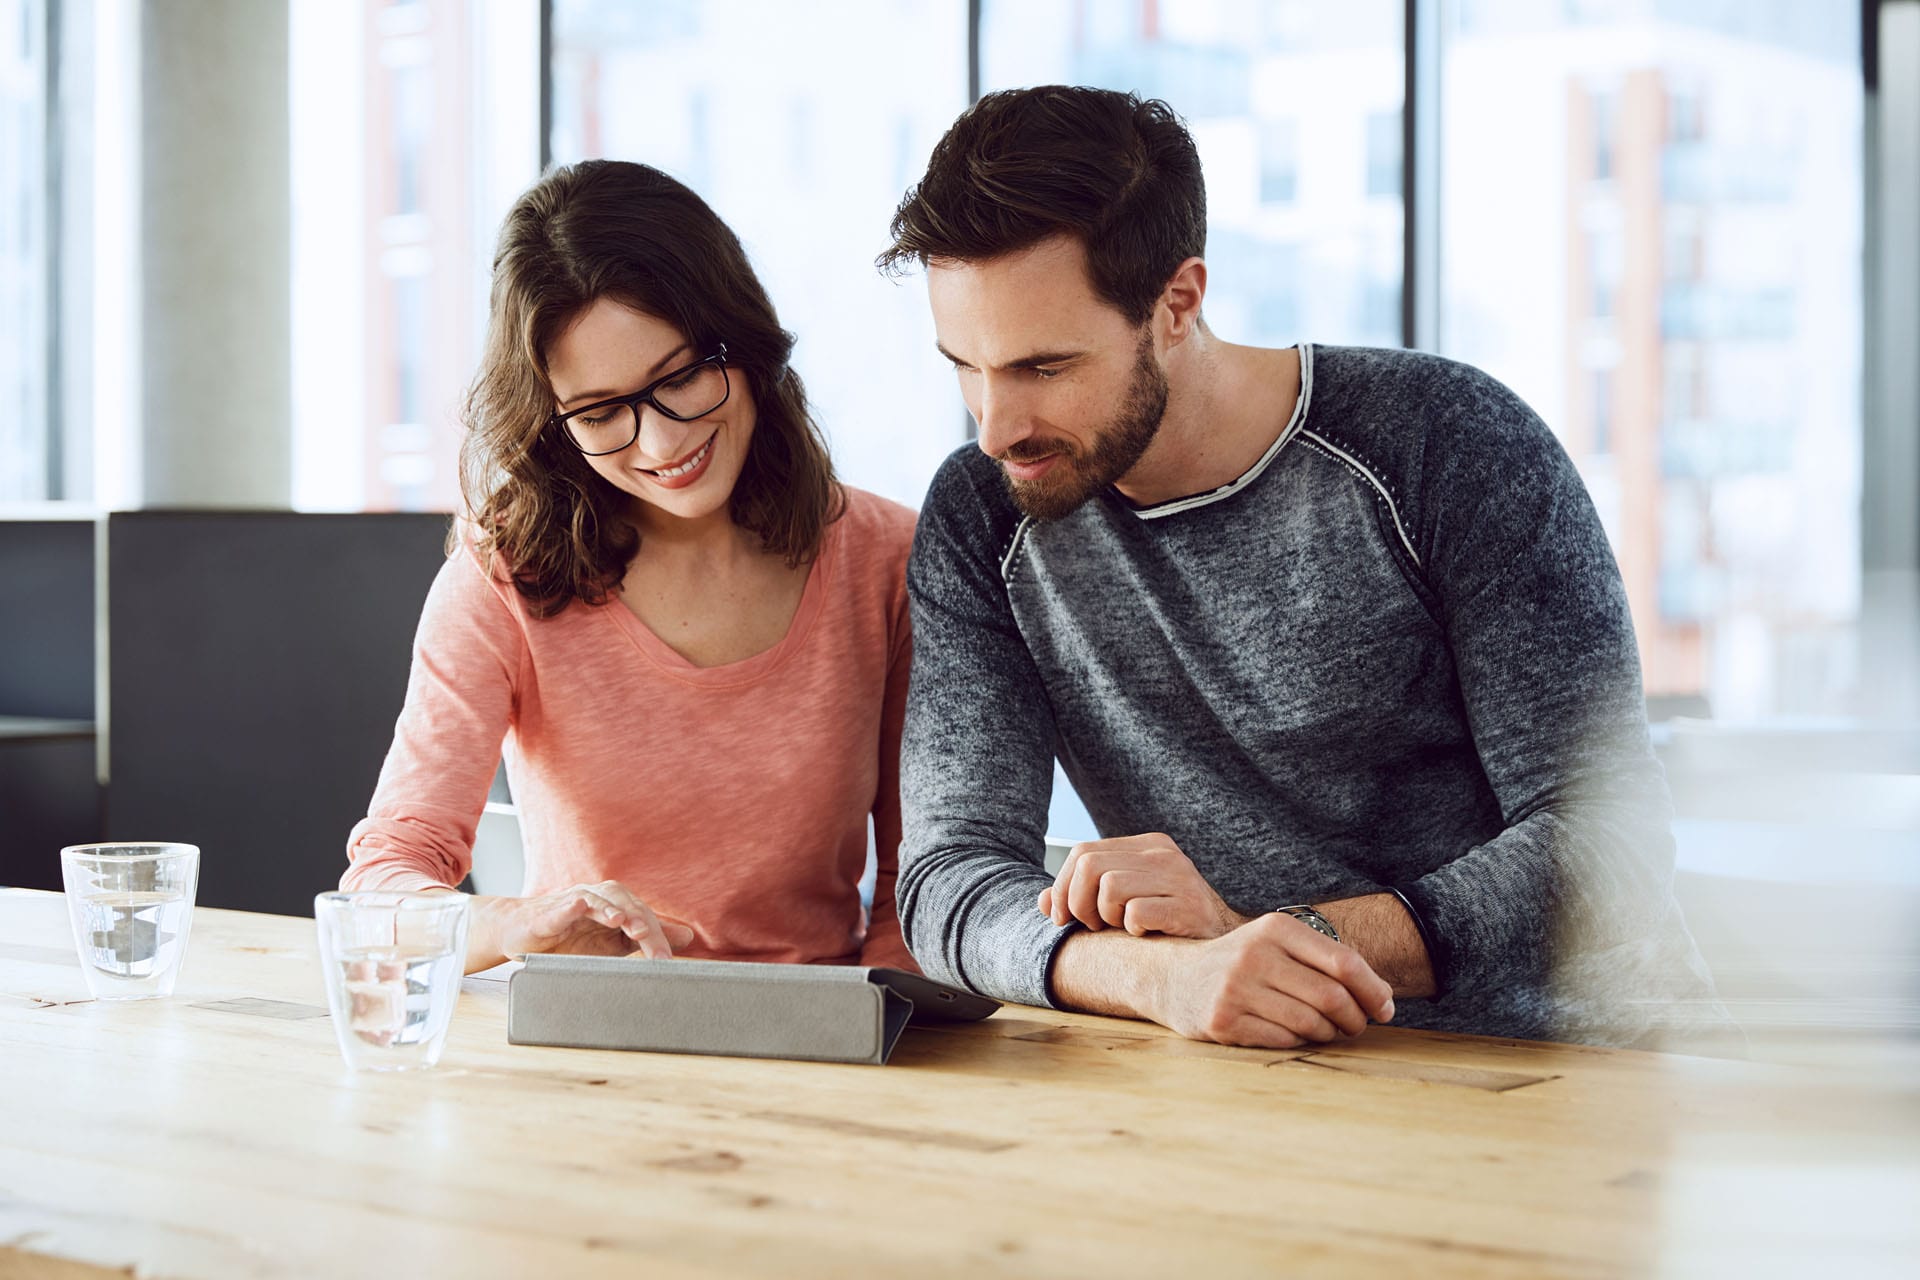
1031, 450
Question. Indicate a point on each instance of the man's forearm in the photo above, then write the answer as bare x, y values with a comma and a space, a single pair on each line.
1115, 973
1110, 972
1378, 927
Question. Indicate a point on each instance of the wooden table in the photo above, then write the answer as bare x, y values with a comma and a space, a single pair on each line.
218, 1133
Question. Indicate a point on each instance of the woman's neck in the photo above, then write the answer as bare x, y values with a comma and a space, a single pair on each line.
710, 539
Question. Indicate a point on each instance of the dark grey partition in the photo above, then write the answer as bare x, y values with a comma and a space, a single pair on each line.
46, 618
49, 797
48, 793
256, 663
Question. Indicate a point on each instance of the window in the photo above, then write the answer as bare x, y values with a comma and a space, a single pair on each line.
69, 271
1649, 225
28, 461
1279, 161
1603, 126
1296, 108
1685, 382
1602, 439
1606, 267
807, 168
1686, 114
1385, 146
415, 124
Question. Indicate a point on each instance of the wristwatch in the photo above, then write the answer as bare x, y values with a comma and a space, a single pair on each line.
1312, 919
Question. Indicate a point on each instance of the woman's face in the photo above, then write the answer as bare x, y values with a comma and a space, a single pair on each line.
678, 470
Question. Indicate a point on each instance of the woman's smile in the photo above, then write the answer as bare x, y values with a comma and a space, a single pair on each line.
686, 471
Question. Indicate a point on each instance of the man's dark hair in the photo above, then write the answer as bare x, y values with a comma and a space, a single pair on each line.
1118, 171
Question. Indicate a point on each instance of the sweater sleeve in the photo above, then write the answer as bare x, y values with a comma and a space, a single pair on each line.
976, 754
1536, 615
467, 657
884, 945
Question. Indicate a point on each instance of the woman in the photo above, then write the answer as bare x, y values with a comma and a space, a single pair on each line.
691, 638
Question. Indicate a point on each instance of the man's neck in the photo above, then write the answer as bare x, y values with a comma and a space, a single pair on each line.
1226, 405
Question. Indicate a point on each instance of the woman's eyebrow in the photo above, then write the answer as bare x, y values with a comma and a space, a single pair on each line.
594, 397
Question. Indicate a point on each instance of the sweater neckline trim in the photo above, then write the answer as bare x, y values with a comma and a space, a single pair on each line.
1298, 420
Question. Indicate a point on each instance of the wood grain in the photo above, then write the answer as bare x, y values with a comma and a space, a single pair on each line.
219, 1134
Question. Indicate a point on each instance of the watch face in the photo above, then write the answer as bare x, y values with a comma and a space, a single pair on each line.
1308, 916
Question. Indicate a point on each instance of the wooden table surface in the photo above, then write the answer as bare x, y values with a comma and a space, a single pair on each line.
219, 1134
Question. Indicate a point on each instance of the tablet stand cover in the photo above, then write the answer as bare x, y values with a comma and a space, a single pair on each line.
814, 1013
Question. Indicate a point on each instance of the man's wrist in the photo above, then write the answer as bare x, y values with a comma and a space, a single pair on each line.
1382, 930
1231, 919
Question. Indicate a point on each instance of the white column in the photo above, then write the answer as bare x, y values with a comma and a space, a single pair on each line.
215, 254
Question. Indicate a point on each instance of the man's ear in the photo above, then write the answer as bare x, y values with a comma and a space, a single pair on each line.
1181, 299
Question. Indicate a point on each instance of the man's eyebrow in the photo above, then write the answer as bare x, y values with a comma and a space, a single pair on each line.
594, 397
1040, 358
1037, 360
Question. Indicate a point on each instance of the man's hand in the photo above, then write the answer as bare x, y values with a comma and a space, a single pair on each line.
1143, 884
604, 919
1276, 983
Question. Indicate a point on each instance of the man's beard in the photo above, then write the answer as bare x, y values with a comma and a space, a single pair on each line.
1079, 474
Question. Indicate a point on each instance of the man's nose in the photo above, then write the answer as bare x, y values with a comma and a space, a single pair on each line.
1003, 416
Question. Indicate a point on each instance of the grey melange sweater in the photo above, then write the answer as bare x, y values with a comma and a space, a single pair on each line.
1395, 653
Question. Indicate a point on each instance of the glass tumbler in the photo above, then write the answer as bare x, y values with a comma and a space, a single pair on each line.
393, 963
131, 906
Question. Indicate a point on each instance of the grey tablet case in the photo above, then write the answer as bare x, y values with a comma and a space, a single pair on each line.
813, 1013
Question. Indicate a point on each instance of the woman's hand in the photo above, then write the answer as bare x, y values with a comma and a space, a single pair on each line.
605, 919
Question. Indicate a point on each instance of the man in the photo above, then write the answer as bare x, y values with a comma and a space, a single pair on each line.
1329, 641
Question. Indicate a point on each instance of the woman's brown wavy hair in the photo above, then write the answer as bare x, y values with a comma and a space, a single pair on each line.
624, 231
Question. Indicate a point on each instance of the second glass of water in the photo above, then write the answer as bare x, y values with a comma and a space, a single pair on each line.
131, 907
393, 963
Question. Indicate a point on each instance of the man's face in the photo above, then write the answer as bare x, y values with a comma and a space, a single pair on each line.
1066, 393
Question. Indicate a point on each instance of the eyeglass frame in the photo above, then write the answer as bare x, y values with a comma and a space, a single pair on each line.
645, 395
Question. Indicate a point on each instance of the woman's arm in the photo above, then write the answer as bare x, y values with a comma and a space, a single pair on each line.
468, 661
467, 658
885, 946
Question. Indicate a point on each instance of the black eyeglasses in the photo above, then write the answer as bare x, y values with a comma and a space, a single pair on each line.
693, 391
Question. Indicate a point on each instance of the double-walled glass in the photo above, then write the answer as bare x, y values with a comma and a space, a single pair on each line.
393, 963
131, 906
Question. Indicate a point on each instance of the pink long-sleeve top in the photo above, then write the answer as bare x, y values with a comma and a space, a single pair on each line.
735, 798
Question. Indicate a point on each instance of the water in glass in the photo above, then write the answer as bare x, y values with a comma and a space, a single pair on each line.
131, 906
392, 964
